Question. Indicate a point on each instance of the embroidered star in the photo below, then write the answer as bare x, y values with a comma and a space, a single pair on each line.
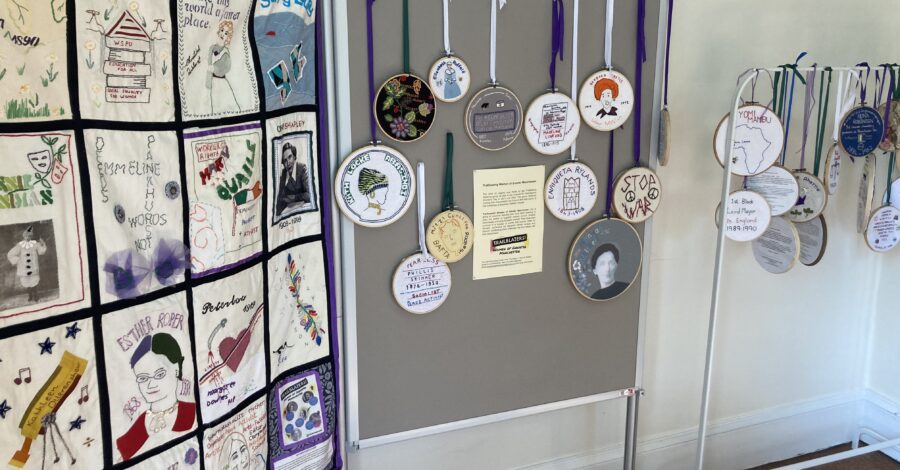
47, 346
77, 423
73, 330
4, 408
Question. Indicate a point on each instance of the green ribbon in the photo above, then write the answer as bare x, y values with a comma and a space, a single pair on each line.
890, 175
406, 37
448, 174
896, 88
775, 92
820, 121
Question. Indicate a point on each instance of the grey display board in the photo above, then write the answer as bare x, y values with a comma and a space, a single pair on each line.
501, 344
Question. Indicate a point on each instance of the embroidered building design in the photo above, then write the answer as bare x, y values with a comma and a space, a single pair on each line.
126, 67
571, 193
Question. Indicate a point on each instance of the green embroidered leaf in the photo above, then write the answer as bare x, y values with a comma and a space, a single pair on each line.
410, 116
413, 132
58, 7
388, 102
388, 118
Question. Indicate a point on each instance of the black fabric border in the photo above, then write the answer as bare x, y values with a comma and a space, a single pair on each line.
95, 312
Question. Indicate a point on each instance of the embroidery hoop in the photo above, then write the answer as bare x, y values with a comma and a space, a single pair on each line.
339, 201
822, 244
805, 177
572, 123
472, 109
877, 213
586, 95
399, 285
586, 229
636, 171
784, 201
554, 208
721, 128
752, 194
795, 246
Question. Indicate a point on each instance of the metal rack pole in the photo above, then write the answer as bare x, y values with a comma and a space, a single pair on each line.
720, 252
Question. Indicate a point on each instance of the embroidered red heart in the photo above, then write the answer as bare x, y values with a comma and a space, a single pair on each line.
232, 350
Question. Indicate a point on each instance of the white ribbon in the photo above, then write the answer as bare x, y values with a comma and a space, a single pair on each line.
447, 27
420, 188
607, 46
845, 99
572, 156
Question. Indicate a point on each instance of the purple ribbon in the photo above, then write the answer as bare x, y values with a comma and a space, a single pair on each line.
609, 173
668, 43
557, 33
808, 104
640, 58
863, 83
371, 57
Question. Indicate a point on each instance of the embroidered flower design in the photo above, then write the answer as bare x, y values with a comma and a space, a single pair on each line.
169, 260
52, 58
90, 45
425, 109
96, 88
400, 127
133, 6
125, 271
25, 89
190, 457
163, 55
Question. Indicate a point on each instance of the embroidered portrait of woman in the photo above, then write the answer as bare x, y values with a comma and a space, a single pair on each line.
157, 364
221, 93
606, 91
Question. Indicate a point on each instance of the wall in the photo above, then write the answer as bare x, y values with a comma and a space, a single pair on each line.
791, 348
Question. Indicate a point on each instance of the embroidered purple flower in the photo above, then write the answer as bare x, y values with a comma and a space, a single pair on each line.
425, 109
169, 260
400, 127
125, 271
190, 457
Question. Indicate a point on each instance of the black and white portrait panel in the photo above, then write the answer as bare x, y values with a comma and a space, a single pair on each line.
605, 259
294, 175
29, 274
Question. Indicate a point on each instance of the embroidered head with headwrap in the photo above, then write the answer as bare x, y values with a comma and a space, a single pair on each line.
371, 181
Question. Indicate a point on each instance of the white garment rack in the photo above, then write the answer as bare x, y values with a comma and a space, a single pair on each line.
745, 80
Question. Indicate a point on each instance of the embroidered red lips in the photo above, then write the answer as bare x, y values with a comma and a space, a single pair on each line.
232, 350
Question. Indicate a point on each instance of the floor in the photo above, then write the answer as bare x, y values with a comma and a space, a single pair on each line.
873, 461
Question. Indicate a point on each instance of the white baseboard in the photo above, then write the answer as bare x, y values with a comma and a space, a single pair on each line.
743, 441
882, 415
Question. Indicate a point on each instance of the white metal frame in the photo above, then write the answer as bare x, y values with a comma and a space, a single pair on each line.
717, 275
340, 144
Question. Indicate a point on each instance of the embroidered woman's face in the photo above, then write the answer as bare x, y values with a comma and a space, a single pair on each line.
156, 377
289, 159
606, 99
224, 33
605, 268
239, 455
